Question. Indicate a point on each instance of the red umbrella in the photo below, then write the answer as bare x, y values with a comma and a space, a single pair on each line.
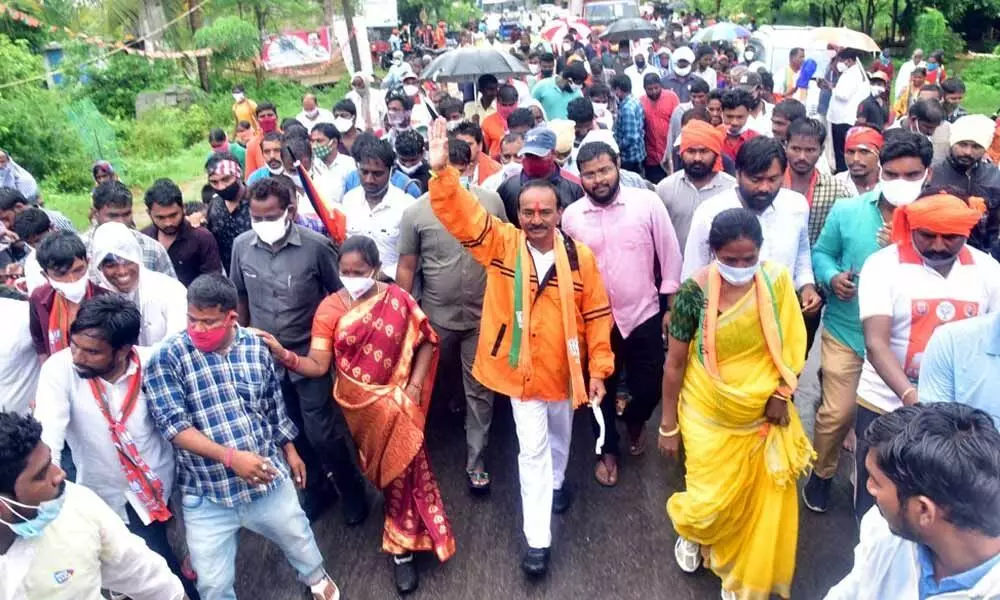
558, 29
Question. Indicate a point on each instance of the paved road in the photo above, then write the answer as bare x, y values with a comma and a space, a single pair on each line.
612, 544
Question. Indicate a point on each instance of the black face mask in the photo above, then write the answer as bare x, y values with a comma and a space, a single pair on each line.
230, 192
547, 73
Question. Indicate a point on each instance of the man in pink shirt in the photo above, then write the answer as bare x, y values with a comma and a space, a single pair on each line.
628, 229
658, 105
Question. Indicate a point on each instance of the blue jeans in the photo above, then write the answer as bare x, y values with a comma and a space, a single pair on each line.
212, 531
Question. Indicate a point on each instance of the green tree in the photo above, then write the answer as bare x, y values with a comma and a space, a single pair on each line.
231, 39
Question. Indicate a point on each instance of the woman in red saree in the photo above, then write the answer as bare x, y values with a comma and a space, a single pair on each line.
384, 352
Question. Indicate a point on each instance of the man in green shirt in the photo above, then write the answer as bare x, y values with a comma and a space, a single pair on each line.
219, 142
555, 93
854, 230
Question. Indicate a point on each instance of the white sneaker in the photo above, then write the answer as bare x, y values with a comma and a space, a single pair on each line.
687, 554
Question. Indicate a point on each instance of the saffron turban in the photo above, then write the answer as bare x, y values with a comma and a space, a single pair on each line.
698, 133
942, 214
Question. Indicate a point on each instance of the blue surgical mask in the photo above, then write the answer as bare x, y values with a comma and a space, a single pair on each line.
47, 512
737, 275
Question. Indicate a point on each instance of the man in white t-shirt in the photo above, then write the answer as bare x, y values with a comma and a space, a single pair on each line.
929, 276
18, 361
312, 114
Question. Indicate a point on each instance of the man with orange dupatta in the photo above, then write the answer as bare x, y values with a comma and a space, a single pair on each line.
63, 259
928, 277
545, 312
385, 354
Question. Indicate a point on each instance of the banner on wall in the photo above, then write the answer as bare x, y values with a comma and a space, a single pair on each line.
294, 49
343, 43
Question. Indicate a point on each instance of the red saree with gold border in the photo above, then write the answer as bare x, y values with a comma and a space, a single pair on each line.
374, 343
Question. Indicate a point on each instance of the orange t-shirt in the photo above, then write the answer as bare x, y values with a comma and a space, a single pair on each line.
494, 128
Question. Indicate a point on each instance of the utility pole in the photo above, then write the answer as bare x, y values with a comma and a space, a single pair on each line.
194, 20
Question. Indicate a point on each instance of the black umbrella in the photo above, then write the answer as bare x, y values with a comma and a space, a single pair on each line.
629, 29
467, 64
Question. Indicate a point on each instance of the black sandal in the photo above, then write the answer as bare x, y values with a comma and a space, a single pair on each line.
479, 483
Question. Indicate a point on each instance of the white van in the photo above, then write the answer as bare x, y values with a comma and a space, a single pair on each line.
773, 43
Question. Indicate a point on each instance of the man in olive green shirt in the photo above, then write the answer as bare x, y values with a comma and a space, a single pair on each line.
451, 287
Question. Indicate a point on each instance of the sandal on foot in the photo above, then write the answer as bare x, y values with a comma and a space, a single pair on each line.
325, 590
638, 447
479, 482
606, 472
687, 554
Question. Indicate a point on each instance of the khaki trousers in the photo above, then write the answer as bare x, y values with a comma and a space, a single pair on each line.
841, 368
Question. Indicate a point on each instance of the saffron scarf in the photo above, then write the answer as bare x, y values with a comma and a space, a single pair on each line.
142, 480
520, 348
60, 318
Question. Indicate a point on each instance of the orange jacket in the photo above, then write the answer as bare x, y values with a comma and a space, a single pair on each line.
494, 244
487, 166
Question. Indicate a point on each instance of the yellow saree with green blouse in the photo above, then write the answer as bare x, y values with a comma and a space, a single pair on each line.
740, 501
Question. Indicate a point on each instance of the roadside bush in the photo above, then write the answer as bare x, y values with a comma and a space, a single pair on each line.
152, 137
932, 32
114, 85
983, 71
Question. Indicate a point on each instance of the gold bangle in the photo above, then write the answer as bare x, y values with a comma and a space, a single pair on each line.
907, 393
670, 433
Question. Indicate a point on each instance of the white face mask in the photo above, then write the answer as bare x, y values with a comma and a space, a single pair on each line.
357, 286
453, 125
74, 291
275, 172
312, 114
238, 97
411, 90
841, 67
411, 169
748, 55
682, 71
270, 232
900, 192
533, 68
342, 124
737, 275
575, 87
600, 108
877, 90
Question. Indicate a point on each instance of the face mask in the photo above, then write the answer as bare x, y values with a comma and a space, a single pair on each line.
533, 68
399, 119
211, 339
397, 61
567, 46
748, 56
270, 232
640, 64
841, 67
268, 124
737, 275
900, 192
932, 67
453, 125
411, 169
275, 172
238, 97
411, 90
321, 151
74, 291
46, 512
877, 90
312, 114
357, 286
230, 191
342, 124
600, 108
546, 73
682, 71
536, 166
575, 87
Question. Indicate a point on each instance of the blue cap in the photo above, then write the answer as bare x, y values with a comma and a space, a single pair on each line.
539, 141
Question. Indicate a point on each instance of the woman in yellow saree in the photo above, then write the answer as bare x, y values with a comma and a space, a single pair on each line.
737, 340
385, 353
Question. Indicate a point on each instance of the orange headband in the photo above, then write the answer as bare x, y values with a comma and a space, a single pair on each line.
702, 134
864, 137
942, 214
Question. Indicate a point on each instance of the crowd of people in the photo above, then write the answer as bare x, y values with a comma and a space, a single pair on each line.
614, 231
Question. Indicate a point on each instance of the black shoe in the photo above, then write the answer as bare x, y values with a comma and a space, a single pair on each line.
816, 493
405, 572
535, 562
561, 499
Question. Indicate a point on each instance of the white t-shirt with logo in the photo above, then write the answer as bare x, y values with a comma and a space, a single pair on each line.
918, 299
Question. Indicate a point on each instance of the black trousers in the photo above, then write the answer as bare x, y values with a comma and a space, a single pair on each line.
655, 174
812, 326
155, 536
641, 357
634, 166
862, 499
839, 133
325, 446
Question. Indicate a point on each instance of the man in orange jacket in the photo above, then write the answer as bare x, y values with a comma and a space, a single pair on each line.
545, 311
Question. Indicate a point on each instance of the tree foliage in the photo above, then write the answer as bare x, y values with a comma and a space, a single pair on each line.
231, 39
932, 33
114, 83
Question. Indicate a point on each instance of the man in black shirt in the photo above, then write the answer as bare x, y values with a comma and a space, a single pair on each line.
874, 111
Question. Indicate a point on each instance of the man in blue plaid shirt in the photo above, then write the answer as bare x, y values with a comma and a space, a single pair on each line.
214, 393
630, 125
